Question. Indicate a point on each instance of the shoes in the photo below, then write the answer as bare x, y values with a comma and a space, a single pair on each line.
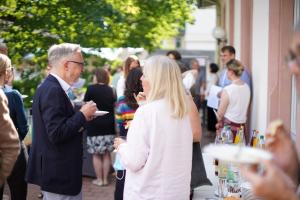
105, 183
100, 182
40, 195
97, 182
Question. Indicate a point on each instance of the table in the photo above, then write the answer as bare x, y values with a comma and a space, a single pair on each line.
207, 192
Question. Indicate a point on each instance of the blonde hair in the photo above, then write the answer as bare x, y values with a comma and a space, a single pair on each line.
5, 63
235, 66
165, 82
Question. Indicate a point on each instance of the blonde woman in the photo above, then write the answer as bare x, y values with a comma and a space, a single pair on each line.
235, 99
158, 152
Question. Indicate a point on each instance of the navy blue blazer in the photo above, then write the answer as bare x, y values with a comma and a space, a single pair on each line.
55, 160
17, 113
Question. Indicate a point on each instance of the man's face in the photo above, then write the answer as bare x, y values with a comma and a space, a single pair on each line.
73, 67
195, 65
226, 56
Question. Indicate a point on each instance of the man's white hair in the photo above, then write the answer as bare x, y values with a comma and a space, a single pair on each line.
3, 45
59, 51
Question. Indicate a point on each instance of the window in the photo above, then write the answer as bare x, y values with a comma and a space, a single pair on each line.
294, 94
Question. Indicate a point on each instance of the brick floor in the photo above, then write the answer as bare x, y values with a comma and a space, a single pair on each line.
93, 192
90, 191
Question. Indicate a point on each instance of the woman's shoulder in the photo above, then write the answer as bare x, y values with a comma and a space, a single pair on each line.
152, 107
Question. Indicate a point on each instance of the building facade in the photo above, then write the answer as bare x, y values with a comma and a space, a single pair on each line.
261, 31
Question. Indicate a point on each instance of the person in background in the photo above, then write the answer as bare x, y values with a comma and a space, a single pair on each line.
55, 160
190, 76
175, 55
16, 180
277, 182
101, 130
116, 76
200, 84
158, 152
130, 63
212, 79
9, 76
235, 99
9, 140
3, 48
125, 109
227, 54
108, 69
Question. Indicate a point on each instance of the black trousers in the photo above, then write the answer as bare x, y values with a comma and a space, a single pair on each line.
16, 180
119, 190
211, 119
201, 105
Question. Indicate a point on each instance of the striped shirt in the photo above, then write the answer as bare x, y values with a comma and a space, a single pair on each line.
124, 115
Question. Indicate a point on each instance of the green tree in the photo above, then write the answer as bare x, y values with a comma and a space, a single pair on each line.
31, 26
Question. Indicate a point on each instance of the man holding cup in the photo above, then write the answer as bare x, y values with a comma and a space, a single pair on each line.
55, 161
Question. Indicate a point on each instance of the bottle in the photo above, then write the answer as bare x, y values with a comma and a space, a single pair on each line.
223, 134
233, 180
239, 138
261, 143
255, 141
254, 138
229, 136
218, 140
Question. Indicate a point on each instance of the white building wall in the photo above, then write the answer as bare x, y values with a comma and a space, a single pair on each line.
198, 36
260, 48
237, 28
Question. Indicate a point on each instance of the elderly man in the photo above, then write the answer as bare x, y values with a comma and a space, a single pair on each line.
55, 162
280, 179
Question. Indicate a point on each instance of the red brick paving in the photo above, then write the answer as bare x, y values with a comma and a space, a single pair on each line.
89, 190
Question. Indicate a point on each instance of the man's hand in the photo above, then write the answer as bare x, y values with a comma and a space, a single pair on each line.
89, 110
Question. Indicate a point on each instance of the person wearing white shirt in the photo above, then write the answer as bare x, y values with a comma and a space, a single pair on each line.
235, 98
158, 152
130, 63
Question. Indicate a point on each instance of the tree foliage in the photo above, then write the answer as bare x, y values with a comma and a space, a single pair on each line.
31, 26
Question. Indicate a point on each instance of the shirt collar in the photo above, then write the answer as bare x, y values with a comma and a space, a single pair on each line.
65, 86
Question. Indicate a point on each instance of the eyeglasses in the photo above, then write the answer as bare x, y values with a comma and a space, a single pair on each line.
292, 58
79, 63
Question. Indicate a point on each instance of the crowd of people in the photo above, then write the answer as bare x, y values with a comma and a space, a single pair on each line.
155, 109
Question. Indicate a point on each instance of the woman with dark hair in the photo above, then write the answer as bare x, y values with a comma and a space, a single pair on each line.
125, 109
130, 63
101, 130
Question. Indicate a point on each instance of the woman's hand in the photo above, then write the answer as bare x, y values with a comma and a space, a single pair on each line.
140, 97
117, 142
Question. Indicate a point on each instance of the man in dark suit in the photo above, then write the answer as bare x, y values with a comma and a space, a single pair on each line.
55, 161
